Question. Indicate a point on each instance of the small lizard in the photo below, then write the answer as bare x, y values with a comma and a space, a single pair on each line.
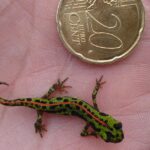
102, 124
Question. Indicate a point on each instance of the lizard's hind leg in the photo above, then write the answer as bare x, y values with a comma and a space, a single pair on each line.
57, 87
39, 127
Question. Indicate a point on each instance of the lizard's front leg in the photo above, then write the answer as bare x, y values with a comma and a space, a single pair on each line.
98, 85
39, 127
86, 131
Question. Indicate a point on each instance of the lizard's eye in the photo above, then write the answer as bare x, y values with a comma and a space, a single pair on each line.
118, 126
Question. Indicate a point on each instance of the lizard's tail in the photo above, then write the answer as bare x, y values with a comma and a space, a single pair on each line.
16, 102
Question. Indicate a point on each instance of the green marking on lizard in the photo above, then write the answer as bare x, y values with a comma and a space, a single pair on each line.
103, 125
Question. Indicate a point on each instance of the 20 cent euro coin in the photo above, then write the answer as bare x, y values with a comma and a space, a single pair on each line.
100, 31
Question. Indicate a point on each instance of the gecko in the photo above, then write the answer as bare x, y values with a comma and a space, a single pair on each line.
98, 124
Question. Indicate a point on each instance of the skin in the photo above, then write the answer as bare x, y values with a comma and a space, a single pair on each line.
32, 58
103, 125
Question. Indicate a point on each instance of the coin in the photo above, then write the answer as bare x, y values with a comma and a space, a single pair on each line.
100, 31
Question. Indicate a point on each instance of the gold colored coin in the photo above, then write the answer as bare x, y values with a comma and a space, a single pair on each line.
100, 31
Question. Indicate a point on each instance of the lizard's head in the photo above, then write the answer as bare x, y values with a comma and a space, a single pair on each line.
112, 130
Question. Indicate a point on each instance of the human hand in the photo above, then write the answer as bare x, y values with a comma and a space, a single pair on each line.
33, 58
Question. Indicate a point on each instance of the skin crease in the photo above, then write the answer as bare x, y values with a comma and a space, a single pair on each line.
32, 58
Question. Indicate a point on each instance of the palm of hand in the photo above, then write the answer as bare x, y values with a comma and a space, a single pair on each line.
32, 58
